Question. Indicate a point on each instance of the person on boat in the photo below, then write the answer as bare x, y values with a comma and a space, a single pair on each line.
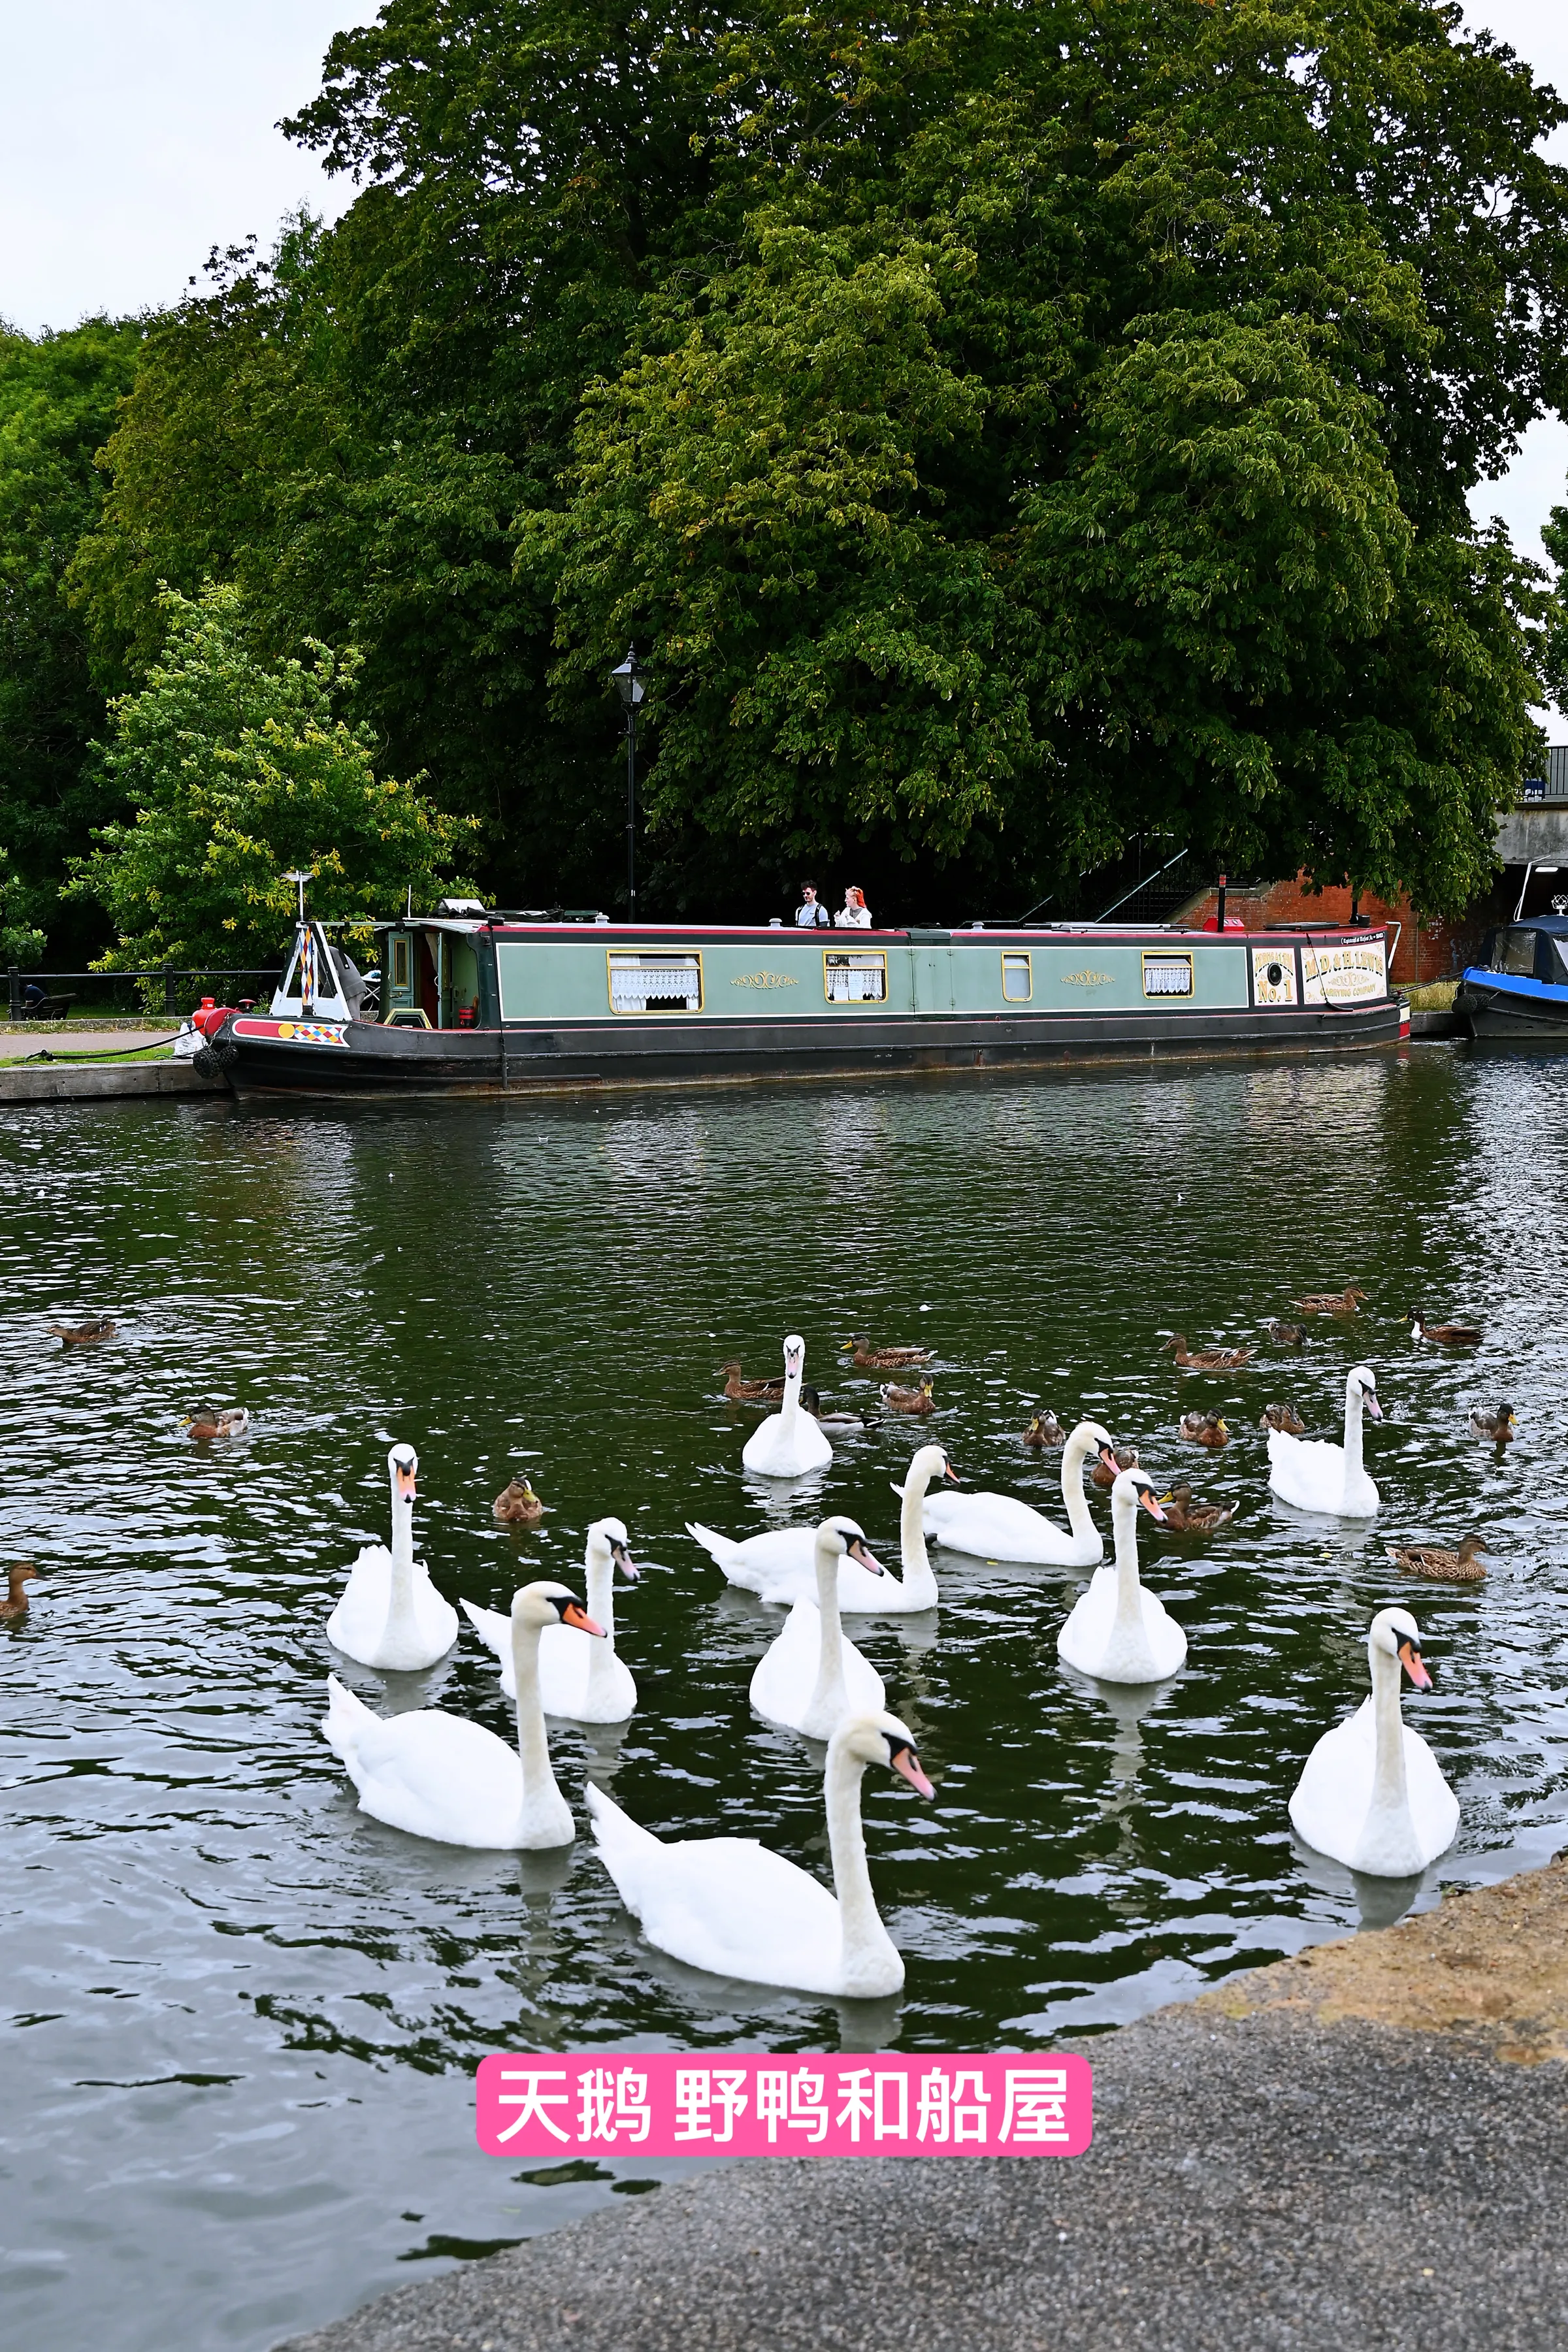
810, 915
853, 915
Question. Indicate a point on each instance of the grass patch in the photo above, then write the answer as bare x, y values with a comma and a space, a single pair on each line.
1431, 996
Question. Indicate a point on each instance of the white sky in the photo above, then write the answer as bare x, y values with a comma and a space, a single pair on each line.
137, 134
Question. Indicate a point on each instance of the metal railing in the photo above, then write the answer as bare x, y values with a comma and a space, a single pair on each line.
169, 990
1551, 782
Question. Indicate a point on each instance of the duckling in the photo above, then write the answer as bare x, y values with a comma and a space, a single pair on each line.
868, 1358
517, 1505
207, 1424
1319, 1302
84, 1335
740, 1391
1282, 1416
1206, 1359
1104, 1475
1186, 1518
14, 1604
1204, 1429
916, 1400
1459, 1567
1497, 1427
1445, 1335
811, 1403
1044, 1428
1285, 1334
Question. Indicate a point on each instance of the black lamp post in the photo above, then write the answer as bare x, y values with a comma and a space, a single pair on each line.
629, 686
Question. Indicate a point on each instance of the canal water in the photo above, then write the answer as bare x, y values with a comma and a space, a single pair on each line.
242, 2019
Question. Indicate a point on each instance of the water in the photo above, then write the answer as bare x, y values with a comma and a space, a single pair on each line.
243, 2018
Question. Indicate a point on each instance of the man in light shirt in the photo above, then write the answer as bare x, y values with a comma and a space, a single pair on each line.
809, 915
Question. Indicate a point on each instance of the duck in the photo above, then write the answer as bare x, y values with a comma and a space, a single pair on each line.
389, 1614
865, 1358
788, 1444
580, 1675
1372, 1794
1206, 1359
1459, 1567
206, 1425
1118, 1631
811, 1677
1442, 1335
1106, 1473
439, 1776
1332, 1302
85, 1335
15, 1605
1286, 1335
811, 1403
1282, 1416
1318, 1476
1499, 1427
739, 1910
1045, 1430
1185, 1518
999, 1527
780, 1565
517, 1505
740, 1391
916, 1400
1205, 1429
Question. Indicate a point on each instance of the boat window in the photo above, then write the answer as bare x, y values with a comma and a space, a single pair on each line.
1517, 953
1559, 962
1017, 980
655, 984
855, 979
400, 966
1167, 976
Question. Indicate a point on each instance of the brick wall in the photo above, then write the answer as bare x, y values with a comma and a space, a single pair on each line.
1443, 947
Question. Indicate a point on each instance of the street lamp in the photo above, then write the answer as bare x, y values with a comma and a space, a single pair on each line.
627, 677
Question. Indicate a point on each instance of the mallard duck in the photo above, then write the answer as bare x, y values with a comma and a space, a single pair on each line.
1459, 1567
1206, 1359
918, 1400
1189, 1518
868, 1358
517, 1505
740, 1391
1497, 1427
207, 1424
14, 1604
1286, 1335
1444, 1335
1282, 1416
1104, 1477
1317, 1302
84, 1335
1044, 1428
811, 1403
1204, 1429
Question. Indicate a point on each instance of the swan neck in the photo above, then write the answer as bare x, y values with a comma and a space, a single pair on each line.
532, 1744
1074, 1456
599, 1585
919, 1576
790, 1409
1129, 1587
400, 1588
829, 1697
1352, 1449
860, 1922
1389, 1791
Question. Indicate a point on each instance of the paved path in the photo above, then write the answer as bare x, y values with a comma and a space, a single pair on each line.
1364, 2147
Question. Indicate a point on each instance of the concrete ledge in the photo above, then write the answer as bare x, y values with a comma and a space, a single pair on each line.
102, 1081
1435, 1025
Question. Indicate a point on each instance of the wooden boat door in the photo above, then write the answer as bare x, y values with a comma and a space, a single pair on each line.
931, 972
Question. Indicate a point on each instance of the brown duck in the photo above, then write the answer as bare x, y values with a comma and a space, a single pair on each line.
868, 1358
14, 1604
1317, 1302
84, 1335
1190, 1519
1459, 1567
1444, 1335
207, 1424
517, 1505
1286, 1335
1105, 1476
1282, 1416
1206, 1359
1044, 1428
1497, 1427
1204, 1429
740, 1391
917, 1401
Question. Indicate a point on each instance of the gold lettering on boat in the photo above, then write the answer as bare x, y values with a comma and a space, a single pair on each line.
1086, 978
765, 979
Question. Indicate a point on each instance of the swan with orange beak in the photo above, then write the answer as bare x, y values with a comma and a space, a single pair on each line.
1372, 1794
389, 1614
1118, 1631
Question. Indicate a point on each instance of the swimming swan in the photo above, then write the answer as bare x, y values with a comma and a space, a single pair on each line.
780, 1565
730, 1906
998, 1527
789, 1442
578, 1676
1373, 1795
1119, 1632
1316, 1476
439, 1776
811, 1677
389, 1614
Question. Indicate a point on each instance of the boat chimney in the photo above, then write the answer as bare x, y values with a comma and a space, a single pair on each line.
1219, 907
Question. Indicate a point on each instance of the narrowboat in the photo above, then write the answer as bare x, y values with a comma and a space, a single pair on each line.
473, 1001
1520, 988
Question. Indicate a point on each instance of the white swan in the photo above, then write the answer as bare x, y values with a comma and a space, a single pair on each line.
389, 1614
1316, 1476
780, 1565
730, 1906
789, 1442
578, 1677
1372, 1794
998, 1527
1118, 1631
811, 1677
439, 1776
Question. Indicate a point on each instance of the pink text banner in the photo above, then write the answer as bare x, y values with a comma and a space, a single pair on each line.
670, 2102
